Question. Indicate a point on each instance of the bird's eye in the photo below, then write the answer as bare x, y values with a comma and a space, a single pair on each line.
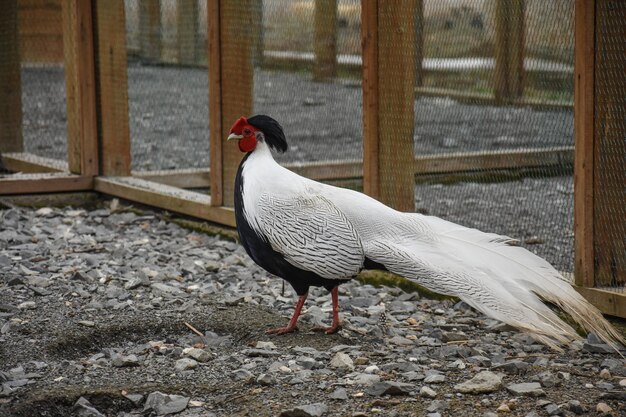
247, 132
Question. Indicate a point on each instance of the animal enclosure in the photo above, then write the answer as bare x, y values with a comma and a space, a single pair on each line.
507, 116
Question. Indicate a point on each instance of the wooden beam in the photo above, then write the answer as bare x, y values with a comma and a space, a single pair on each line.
30, 163
230, 97
509, 51
165, 197
10, 80
419, 42
388, 143
44, 183
80, 84
150, 30
112, 88
584, 138
325, 41
181, 178
423, 165
609, 170
187, 31
607, 301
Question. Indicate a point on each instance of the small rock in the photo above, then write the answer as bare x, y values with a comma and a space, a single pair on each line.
83, 408
428, 392
390, 388
265, 345
185, 364
435, 379
401, 341
121, 361
243, 375
87, 323
575, 407
163, 404
200, 355
341, 361
27, 305
553, 409
483, 382
622, 382
134, 398
605, 374
512, 367
339, 394
309, 410
503, 408
361, 360
603, 408
529, 389
266, 379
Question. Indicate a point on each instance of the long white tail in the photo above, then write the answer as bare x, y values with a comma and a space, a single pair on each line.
487, 271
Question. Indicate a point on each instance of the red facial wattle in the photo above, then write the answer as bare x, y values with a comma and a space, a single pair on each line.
248, 143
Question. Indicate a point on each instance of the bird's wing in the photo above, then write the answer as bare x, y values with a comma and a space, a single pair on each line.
312, 234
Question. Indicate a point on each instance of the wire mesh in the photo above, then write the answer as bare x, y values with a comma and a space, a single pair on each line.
167, 84
33, 80
496, 93
610, 151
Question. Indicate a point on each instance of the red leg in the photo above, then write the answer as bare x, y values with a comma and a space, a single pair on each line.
336, 325
294, 319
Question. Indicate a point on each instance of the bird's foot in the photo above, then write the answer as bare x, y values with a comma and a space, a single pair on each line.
328, 330
282, 330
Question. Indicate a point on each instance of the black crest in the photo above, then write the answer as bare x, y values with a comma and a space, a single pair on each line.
272, 130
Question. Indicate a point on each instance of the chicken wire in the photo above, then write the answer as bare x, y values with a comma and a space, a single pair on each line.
34, 97
610, 151
167, 84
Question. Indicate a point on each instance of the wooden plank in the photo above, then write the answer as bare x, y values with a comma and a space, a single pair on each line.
419, 42
187, 31
80, 84
181, 178
584, 138
609, 171
41, 31
44, 183
112, 88
150, 30
232, 55
215, 101
10, 80
509, 51
165, 197
396, 84
370, 86
325, 40
607, 301
30, 163
423, 165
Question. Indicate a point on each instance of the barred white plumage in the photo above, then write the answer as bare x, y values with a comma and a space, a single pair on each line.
314, 234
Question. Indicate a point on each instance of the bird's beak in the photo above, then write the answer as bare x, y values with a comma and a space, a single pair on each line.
234, 136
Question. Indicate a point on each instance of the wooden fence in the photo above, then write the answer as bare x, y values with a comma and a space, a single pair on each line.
99, 140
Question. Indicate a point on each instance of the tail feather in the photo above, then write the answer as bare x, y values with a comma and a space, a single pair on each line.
492, 275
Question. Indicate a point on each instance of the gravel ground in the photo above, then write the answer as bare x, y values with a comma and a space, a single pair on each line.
93, 312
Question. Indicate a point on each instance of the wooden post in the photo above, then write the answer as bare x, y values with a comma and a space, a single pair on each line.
230, 53
259, 33
112, 88
150, 29
388, 40
584, 138
82, 127
10, 80
187, 31
509, 53
419, 42
609, 153
325, 40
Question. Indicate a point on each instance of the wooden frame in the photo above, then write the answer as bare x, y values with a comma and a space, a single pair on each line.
10, 80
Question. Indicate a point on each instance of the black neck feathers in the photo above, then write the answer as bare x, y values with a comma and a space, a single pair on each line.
272, 132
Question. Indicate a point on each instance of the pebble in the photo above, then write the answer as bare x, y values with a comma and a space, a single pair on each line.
266, 379
83, 408
27, 305
603, 408
339, 394
529, 389
605, 374
390, 388
121, 361
483, 382
341, 361
199, 355
428, 392
185, 364
163, 404
309, 410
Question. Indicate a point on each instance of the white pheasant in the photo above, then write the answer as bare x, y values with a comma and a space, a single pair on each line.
314, 234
